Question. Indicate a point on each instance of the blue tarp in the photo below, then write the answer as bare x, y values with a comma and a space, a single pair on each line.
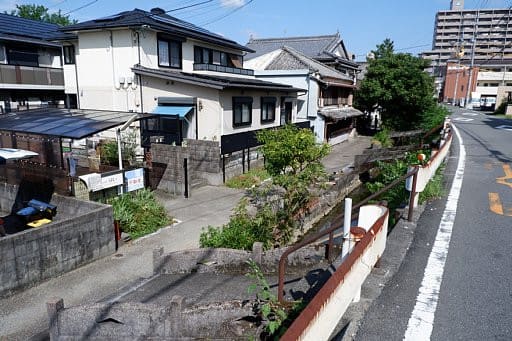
181, 111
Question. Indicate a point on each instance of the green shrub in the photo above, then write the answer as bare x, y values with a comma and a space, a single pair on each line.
139, 213
242, 230
433, 117
253, 177
382, 138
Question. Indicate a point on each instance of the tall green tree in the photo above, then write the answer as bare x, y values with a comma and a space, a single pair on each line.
40, 12
397, 84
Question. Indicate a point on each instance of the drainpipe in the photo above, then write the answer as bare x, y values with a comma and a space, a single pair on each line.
113, 61
77, 86
345, 249
140, 76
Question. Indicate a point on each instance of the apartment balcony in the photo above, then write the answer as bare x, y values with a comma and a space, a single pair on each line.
31, 77
224, 69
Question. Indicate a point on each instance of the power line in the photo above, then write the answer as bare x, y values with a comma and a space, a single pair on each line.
81, 7
227, 14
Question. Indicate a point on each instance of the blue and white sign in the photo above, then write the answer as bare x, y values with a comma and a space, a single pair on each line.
134, 179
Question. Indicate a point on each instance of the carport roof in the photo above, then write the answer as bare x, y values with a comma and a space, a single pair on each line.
66, 123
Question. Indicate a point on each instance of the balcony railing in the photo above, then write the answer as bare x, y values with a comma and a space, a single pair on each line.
327, 101
31, 75
220, 68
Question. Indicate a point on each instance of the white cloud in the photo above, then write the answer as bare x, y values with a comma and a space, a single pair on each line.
232, 3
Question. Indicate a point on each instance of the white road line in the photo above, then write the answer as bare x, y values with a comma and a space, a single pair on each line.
504, 127
421, 323
470, 114
463, 119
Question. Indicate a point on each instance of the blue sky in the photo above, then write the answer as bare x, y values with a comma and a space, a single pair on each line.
361, 23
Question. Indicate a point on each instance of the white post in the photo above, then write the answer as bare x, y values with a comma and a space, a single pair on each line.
120, 157
346, 228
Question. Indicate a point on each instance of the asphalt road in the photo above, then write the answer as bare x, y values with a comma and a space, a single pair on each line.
472, 258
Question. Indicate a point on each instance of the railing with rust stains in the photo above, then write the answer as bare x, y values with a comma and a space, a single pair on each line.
335, 225
337, 222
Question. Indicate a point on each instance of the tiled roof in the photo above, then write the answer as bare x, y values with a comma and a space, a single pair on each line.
214, 81
157, 20
311, 46
291, 59
16, 28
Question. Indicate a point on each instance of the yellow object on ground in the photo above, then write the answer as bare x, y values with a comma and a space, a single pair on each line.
40, 222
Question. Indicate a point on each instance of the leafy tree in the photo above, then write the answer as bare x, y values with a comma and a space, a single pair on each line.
397, 84
292, 158
40, 12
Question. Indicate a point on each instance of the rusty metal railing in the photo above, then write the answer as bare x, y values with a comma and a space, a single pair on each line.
336, 224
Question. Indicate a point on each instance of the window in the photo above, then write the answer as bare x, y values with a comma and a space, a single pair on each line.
203, 55
169, 53
242, 111
69, 54
268, 109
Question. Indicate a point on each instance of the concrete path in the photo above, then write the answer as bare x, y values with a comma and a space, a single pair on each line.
341, 157
23, 316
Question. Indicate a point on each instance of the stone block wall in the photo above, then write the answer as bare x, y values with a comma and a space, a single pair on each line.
80, 233
203, 162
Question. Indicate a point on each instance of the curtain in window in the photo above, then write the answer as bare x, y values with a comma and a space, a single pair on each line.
163, 53
175, 54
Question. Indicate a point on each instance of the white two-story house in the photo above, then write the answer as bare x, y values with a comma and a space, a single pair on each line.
327, 104
193, 79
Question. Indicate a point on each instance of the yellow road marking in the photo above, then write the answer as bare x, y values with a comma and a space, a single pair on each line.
495, 203
508, 176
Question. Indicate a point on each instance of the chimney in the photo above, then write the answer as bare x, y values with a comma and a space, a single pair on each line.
157, 11
457, 5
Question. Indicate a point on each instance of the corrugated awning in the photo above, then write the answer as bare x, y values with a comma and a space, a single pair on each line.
181, 111
336, 114
67, 123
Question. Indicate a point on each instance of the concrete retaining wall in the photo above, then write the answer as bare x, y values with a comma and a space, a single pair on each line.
80, 233
229, 260
137, 321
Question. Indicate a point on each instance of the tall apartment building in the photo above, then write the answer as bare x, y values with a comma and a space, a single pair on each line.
457, 30
460, 34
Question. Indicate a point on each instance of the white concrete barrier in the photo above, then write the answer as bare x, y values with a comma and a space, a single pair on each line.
321, 316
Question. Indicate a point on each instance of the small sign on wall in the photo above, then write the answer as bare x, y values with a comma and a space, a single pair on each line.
134, 179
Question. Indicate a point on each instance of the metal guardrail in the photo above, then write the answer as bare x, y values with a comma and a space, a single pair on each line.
335, 225
338, 221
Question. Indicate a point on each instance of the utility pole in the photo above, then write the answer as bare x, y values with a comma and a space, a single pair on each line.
472, 63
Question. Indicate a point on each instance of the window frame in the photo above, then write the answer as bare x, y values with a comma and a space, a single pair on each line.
224, 58
238, 102
265, 101
69, 54
169, 52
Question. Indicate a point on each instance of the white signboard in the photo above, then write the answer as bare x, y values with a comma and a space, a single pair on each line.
134, 179
113, 180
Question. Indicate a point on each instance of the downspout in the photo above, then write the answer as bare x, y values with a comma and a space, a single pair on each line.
140, 76
113, 61
77, 86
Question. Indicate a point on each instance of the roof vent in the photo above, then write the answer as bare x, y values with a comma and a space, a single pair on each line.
157, 11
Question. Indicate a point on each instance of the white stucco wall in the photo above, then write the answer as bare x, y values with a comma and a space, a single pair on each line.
104, 61
209, 113
227, 105
300, 79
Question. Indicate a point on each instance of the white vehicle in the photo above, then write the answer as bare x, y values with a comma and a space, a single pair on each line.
488, 103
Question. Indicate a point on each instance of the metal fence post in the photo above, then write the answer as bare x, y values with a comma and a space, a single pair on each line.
185, 169
412, 197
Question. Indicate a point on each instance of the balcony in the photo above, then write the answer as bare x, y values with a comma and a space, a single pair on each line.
330, 101
221, 68
31, 77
